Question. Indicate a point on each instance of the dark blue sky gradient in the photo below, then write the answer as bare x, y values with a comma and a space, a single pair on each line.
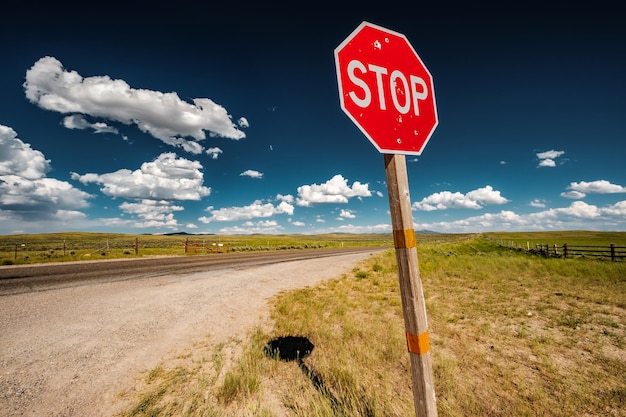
512, 80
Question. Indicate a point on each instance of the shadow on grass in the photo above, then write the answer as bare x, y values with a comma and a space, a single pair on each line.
297, 348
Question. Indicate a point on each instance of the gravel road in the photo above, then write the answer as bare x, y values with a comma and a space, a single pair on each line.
71, 351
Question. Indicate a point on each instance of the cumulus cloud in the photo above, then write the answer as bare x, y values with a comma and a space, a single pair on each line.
255, 210
162, 115
581, 189
251, 173
547, 159
26, 193
357, 229
243, 122
77, 121
286, 198
617, 210
347, 214
249, 227
574, 195
152, 213
578, 215
335, 190
475, 199
214, 153
166, 178
18, 158
537, 203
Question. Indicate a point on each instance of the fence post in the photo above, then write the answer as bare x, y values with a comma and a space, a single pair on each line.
565, 250
136, 246
612, 252
186, 242
556, 252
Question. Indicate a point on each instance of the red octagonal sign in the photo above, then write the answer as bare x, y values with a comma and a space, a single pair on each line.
385, 88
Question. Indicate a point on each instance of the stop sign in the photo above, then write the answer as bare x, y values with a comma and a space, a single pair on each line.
385, 88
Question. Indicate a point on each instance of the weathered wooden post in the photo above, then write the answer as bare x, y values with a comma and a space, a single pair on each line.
565, 250
612, 252
411, 292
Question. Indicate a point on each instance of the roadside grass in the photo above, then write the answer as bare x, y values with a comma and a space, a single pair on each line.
511, 335
571, 237
79, 246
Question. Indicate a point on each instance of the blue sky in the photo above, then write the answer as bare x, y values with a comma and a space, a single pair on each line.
226, 119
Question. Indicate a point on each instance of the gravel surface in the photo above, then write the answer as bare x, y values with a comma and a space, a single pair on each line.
72, 351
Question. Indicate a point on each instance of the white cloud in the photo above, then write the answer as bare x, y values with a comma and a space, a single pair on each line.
579, 209
263, 227
166, 178
574, 195
335, 190
162, 115
22, 194
18, 158
255, 210
77, 121
243, 122
286, 198
262, 223
350, 228
152, 213
475, 199
578, 215
26, 194
214, 153
347, 214
617, 210
597, 187
547, 163
547, 159
537, 203
251, 173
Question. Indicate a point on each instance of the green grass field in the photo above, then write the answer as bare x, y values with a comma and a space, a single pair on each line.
512, 335
585, 238
60, 247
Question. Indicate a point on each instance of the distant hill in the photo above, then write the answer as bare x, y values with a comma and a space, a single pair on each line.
187, 234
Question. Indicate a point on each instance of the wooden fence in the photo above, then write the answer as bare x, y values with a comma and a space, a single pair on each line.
61, 249
612, 252
205, 247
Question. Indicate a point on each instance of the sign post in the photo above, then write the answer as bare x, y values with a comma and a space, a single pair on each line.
388, 93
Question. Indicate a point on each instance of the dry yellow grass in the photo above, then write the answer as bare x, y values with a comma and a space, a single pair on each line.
511, 335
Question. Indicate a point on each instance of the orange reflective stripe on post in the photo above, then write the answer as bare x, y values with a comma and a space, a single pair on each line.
418, 344
404, 239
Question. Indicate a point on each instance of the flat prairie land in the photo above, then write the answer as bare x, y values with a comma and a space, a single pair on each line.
512, 334
573, 237
81, 246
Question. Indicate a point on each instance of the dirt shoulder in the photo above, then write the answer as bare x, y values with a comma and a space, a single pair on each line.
72, 351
